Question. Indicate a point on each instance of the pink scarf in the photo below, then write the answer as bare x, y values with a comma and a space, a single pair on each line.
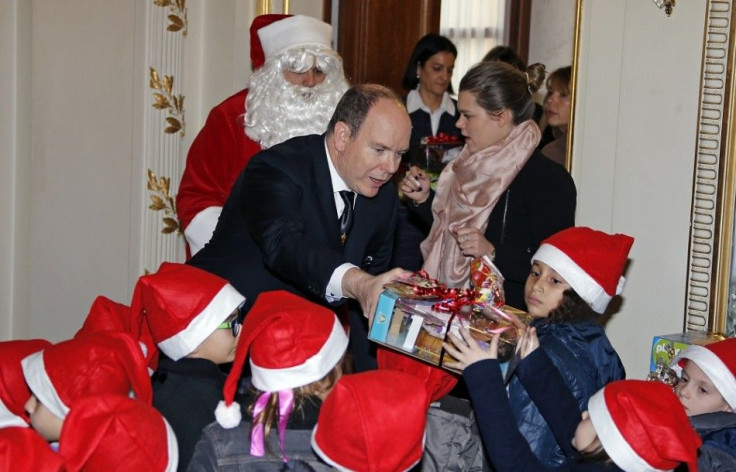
467, 191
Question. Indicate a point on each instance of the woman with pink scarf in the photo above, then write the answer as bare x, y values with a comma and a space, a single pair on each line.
499, 198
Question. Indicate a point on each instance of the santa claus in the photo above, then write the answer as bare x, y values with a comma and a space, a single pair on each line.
297, 82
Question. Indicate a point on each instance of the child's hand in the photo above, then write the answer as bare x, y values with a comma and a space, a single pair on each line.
528, 342
467, 351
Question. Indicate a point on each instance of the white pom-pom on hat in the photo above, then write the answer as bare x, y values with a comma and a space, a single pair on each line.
228, 416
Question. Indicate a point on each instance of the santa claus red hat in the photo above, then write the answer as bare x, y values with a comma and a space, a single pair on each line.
24, 450
292, 342
437, 381
104, 431
374, 421
107, 362
108, 315
643, 427
717, 361
272, 35
591, 261
14, 392
183, 306
257, 58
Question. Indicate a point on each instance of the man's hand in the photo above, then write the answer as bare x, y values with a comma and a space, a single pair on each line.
366, 288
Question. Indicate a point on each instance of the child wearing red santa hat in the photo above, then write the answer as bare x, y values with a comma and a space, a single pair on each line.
23, 450
574, 274
628, 425
297, 353
707, 390
374, 422
109, 362
115, 432
14, 392
194, 317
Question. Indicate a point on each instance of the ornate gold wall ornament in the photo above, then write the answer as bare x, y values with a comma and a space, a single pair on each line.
165, 100
177, 17
709, 303
162, 201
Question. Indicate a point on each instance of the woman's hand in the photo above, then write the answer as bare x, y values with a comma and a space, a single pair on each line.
467, 351
415, 185
473, 243
528, 342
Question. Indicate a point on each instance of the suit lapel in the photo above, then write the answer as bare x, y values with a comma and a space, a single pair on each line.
325, 194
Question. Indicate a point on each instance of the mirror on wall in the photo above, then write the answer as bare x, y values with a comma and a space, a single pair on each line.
476, 26
711, 286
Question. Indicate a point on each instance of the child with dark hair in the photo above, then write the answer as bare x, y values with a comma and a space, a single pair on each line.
628, 425
194, 317
574, 275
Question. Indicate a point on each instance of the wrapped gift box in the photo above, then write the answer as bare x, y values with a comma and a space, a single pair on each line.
415, 327
666, 347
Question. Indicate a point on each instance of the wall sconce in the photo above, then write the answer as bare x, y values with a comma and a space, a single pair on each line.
668, 5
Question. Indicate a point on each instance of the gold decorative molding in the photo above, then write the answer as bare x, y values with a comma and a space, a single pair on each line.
266, 6
178, 14
712, 217
162, 201
576, 48
164, 99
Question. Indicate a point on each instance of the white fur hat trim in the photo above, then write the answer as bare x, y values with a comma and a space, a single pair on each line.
712, 365
616, 446
316, 367
297, 30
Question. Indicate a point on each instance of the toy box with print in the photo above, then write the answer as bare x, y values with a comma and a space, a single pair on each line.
666, 347
416, 322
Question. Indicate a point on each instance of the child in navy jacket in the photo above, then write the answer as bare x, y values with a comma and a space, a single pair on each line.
629, 425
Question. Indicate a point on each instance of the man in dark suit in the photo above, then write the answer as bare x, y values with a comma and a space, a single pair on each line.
281, 229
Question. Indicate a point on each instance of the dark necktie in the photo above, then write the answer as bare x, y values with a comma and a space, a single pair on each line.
346, 219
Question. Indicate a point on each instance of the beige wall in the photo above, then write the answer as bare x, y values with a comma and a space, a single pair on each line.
71, 93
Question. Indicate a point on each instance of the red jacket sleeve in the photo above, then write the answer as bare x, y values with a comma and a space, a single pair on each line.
219, 152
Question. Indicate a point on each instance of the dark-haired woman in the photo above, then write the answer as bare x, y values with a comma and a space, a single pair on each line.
433, 112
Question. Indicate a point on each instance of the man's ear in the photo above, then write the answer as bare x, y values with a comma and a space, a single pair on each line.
341, 132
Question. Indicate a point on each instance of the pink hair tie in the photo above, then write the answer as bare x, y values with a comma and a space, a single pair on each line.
257, 439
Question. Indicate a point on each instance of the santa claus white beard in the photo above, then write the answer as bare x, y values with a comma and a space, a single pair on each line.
277, 110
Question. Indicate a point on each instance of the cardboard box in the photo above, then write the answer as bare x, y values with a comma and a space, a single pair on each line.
666, 347
414, 328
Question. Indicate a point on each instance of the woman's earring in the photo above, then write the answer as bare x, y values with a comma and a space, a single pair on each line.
417, 76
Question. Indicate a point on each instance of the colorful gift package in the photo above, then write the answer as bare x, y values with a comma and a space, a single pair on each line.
665, 347
414, 317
